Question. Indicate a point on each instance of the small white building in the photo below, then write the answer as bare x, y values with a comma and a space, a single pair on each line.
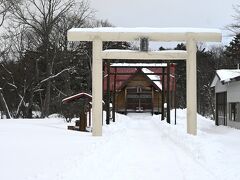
227, 96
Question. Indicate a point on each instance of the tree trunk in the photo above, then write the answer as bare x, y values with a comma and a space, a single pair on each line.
67, 87
212, 104
83, 121
46, 104
29, 108
4, 105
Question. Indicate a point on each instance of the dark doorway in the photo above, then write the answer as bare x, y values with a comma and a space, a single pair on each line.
221, 108
139, 99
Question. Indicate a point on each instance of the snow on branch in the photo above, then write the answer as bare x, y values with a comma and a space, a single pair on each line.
55, 75
13, 85
58, 90
9, 72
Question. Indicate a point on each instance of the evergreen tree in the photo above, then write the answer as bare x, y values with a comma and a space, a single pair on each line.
181, 79
233, 52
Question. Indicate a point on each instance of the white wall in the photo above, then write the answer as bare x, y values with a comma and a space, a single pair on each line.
233, 95
233, 92
233, 124
220, 87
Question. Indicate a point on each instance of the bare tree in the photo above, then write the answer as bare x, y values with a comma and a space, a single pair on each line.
235, 27
41, 16
4, 105
45, 24
4, 8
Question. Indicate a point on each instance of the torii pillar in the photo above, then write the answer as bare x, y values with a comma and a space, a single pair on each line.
191, 67
189, 35
97, 88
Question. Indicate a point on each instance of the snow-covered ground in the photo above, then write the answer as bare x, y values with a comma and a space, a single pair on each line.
136, 147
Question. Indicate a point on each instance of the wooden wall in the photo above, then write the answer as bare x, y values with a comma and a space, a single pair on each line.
136, 81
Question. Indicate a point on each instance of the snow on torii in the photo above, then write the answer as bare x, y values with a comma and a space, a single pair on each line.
189, 35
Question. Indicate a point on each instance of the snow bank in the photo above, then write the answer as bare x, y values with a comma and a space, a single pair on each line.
215, 147
137, 146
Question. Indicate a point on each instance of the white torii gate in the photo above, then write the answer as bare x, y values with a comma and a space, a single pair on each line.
189, 35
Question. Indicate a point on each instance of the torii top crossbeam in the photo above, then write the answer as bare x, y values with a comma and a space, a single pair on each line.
189, 35
154, 34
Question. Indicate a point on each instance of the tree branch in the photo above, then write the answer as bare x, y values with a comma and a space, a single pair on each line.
54, 76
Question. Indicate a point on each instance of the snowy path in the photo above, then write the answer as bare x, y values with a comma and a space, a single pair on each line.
138, 150
136, 147
142, 152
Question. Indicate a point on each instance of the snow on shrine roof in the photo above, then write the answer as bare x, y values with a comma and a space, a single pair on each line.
139, 65
226, 75
153, 77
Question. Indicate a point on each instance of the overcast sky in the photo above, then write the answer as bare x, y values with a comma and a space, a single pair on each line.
167, 13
